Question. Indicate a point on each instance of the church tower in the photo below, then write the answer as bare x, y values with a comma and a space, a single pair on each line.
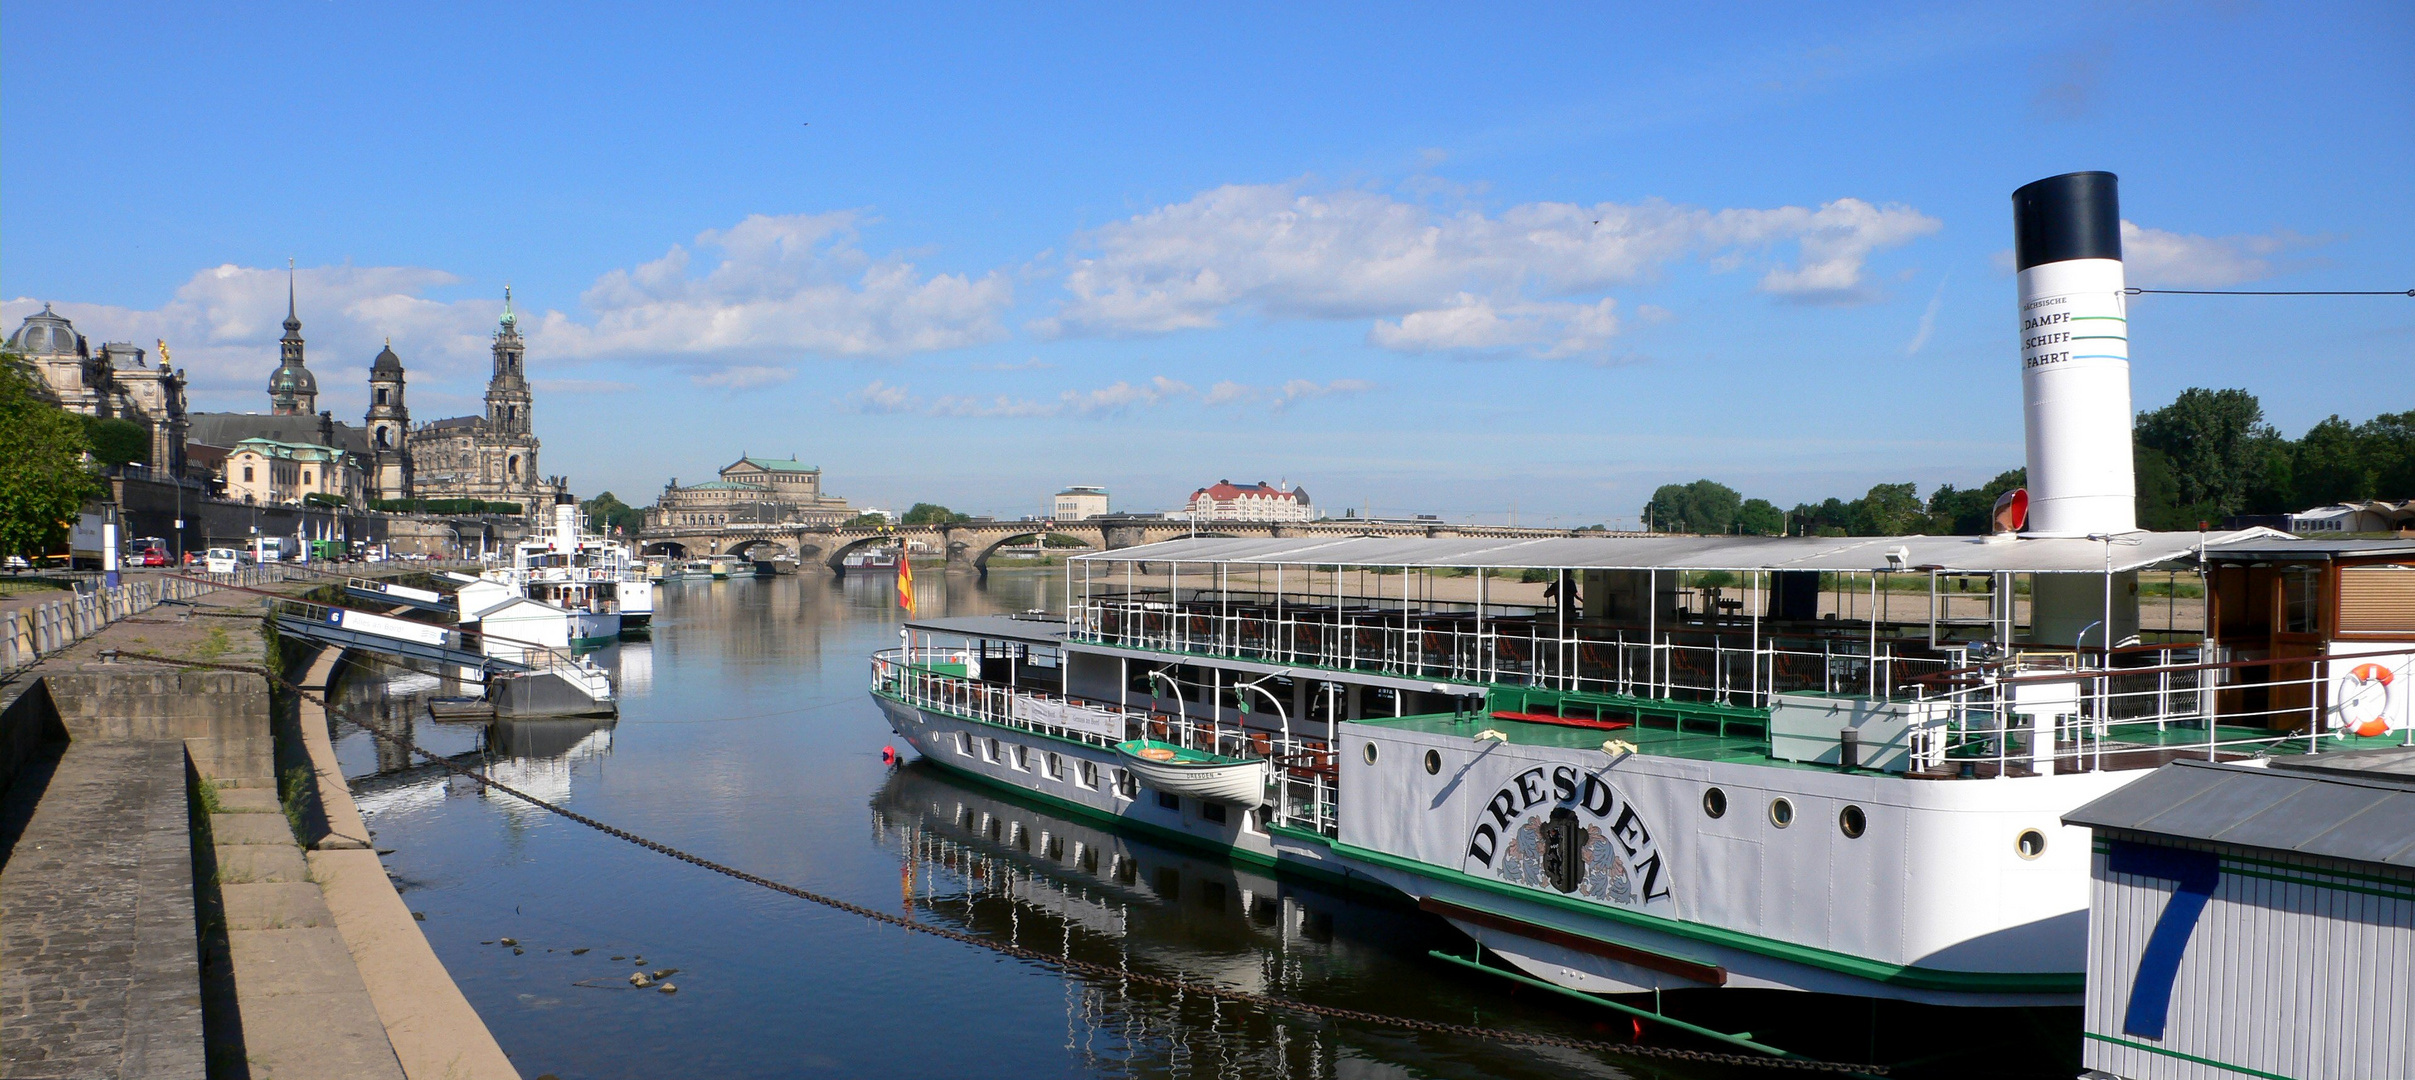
292, 389
389, 424
510, 438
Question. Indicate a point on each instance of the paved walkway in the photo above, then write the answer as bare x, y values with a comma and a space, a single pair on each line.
99, 969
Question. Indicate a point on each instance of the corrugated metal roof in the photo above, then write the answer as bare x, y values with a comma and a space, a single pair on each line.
2302, 811
1848, 553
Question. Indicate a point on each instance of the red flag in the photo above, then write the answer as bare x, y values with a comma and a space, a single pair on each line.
905, 579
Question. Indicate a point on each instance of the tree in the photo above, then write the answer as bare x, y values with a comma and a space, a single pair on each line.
922, 513
2330, 465
43, 481
1704, 506
865, 521
606, 514
1971, 511
2219, 447
1760, 517
1890, 510
117, 442
2390, 448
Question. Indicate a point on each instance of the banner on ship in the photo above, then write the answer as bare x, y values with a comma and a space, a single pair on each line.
1049, 712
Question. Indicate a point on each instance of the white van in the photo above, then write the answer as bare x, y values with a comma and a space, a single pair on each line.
221, 560
268, 549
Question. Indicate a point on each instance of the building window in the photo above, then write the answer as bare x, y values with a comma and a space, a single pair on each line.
305, 476
381, 395
247, 474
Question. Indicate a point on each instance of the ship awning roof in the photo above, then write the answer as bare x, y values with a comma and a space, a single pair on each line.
1030, 631
2365, 812
1955, 554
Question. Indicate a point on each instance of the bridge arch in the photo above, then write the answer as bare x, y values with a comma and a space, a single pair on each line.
841, 548
669, 549
760, 549
991, 546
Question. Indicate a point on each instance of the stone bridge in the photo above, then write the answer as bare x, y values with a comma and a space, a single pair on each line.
970, 544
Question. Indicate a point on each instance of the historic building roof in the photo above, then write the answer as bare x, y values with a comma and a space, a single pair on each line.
46, 333
229, 429
771, 465
723, 485
1226, 490
387, 362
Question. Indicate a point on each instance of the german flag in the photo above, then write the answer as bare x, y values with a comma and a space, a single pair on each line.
905, 578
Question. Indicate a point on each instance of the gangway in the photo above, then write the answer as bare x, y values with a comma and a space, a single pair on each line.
386, 634
391, 593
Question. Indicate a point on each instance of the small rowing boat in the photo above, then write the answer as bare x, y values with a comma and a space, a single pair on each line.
1196, 773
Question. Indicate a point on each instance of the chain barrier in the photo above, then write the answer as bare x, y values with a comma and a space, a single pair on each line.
1062, 963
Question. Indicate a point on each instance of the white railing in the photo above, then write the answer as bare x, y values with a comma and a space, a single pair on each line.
2047, 713
32, 631
1736, 665
1304, 768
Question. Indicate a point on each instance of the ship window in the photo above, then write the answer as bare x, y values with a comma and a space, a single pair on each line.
2030, 844
1714, 803
1370, 752
1433, 761
1126, 785
1087, 775
1124, 870
1052, 846
1852, 822
1781, 813
1167, 800
1212, 812
2302, 600
1023, 758
1056, 766
1085, 856
964, 744
989, 750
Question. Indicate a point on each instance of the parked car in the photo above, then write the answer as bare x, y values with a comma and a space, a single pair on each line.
222, 560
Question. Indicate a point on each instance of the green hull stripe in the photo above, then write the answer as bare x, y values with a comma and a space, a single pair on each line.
1969, 982
2186, 1057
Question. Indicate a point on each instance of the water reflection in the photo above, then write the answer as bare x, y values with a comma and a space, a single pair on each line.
979, 860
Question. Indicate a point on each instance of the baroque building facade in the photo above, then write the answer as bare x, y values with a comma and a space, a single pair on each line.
752, 490
117, 382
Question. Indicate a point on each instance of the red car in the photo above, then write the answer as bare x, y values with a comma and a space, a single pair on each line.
153, 556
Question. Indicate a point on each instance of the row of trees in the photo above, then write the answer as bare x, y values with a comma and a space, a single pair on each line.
2205, 457
44, 477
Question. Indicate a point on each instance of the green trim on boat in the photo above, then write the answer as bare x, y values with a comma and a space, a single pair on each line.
1181, 755
1878, 971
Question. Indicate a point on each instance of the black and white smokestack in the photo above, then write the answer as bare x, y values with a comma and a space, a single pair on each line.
2075, 355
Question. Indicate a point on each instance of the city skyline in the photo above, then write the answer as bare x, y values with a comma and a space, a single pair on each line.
1547, 261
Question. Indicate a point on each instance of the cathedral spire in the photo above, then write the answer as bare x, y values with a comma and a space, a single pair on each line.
293, 322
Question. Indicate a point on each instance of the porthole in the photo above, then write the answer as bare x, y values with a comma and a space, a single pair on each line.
2030, 844
1714, 803
1433, 761
1852, 822
1370, 753
1781, 813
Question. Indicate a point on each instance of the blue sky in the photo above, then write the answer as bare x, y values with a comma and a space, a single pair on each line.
1452, 260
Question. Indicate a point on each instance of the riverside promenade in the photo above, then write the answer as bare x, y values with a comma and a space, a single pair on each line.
186, 889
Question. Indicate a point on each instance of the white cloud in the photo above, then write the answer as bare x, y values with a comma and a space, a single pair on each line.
1119, 397
1277, 251
2155, 258
783, 285
1928, 319
1477, 324
742, 377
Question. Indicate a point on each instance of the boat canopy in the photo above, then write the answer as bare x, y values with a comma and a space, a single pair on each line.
1029, 631
1855, 554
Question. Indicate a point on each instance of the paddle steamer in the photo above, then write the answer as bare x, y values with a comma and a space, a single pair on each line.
1644, 762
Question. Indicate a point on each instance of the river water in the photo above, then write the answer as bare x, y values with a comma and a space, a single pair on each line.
746, 736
